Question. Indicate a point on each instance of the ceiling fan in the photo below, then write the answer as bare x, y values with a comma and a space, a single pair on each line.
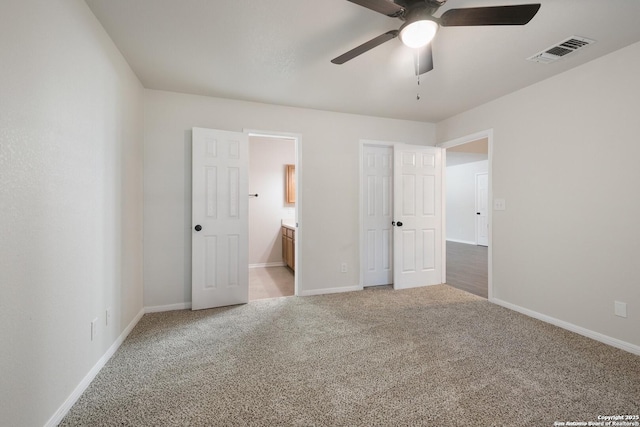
420, 26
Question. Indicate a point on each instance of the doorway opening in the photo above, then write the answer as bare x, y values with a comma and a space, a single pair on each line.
468, 217
273, 215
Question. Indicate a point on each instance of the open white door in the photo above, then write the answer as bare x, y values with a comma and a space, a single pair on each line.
417, 238
220, 266
377, 182
482, 202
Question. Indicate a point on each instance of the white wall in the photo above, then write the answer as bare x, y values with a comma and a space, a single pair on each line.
565, 158
329, 184
461, 200
71, 196
268, 158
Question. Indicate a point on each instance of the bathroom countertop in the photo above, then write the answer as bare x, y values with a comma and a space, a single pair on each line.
289, 223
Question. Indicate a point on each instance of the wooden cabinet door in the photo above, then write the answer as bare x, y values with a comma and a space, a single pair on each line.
293, 254
290, 184
284, 245
288, 247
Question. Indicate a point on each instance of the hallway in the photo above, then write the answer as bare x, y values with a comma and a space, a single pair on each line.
467, 268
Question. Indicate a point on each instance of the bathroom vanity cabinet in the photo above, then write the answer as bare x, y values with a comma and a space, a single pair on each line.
288, 246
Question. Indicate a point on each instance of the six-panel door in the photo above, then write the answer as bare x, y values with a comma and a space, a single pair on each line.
220, 274
418, 216
377, 180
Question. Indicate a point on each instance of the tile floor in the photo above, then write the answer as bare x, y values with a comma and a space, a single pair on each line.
270, 282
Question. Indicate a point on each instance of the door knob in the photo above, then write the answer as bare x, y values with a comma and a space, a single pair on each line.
399, 223
477, 213
393, 223
198, 227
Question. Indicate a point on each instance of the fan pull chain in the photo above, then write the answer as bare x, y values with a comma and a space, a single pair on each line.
418, 74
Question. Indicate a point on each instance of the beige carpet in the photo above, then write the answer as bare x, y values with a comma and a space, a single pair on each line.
432, 356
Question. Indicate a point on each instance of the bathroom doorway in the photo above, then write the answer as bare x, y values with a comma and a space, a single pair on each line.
272, 215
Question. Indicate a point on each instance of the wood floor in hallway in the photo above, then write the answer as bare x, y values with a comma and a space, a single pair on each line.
467, 268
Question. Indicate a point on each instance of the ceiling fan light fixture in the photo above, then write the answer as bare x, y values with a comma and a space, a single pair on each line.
418, 33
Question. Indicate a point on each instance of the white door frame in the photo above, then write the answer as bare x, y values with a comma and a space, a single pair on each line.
477, 227
391, 144
464, 140
297, 138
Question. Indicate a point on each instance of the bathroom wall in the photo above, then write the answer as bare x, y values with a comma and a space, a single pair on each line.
267, 160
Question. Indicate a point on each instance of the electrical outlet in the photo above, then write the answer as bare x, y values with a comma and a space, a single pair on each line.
343, 267
94, 328
499, 205
620, 308
108, 316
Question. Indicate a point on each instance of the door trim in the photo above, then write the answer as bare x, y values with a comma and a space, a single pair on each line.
297, 137
488, 133
477, 227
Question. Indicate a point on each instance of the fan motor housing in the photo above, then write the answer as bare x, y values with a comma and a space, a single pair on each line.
420, 10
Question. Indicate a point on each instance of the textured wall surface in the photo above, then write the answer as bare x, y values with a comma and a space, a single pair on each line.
71, 202
565, 159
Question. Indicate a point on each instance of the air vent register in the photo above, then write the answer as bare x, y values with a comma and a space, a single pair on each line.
560, 50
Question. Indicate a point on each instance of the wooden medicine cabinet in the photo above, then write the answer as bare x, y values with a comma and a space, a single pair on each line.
290, 184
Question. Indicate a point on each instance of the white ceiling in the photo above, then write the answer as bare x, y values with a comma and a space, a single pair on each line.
279, 52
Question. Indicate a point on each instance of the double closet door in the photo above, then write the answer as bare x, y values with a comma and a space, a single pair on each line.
402, 215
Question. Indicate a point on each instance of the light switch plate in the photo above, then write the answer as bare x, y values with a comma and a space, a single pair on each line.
499, 205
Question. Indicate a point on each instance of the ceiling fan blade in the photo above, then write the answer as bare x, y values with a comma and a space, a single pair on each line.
386, 7
423, 59
365, 47
494, 15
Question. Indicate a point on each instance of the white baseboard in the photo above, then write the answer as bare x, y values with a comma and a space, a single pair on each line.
329, 291
267, 264
170, 307
614, 342
419, 285
57, 417
468, 242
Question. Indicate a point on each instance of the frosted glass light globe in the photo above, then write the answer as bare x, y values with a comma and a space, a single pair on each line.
418, 33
